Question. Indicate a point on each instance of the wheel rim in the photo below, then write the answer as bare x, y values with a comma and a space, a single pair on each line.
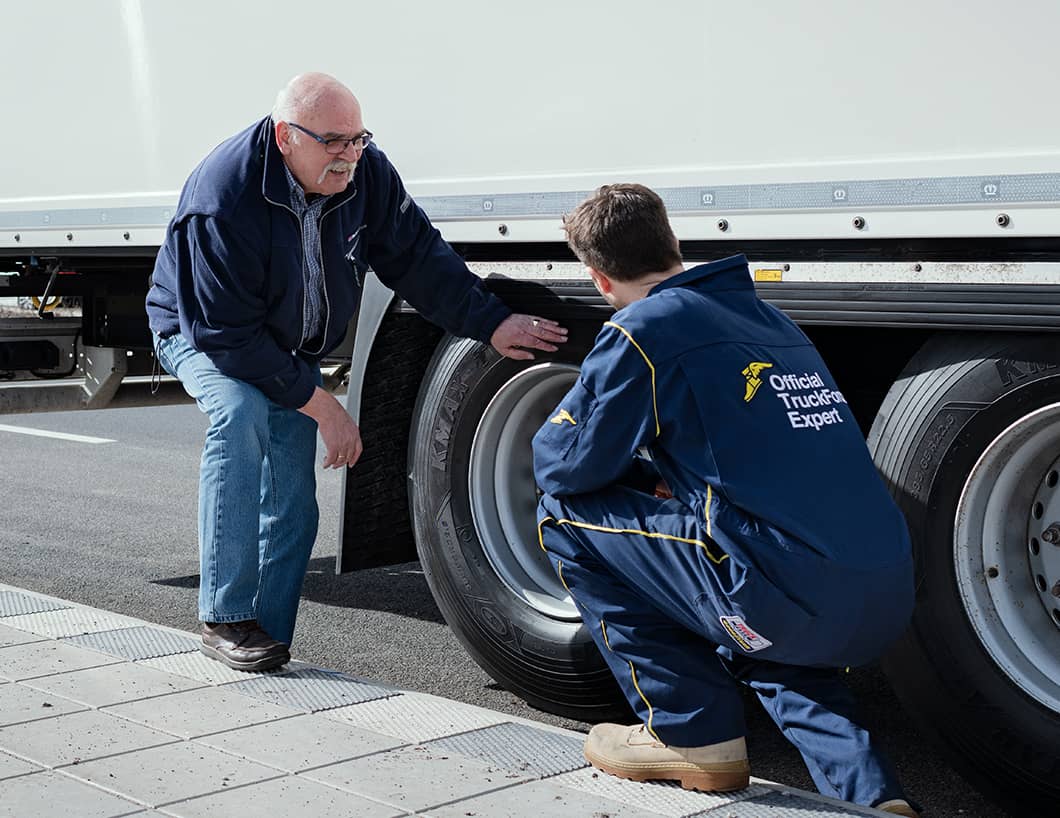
1006, 569
502, 488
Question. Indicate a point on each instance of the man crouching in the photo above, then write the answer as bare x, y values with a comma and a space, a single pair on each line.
711, 506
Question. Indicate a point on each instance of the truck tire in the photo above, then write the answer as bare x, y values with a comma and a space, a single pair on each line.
968, 440
473, 501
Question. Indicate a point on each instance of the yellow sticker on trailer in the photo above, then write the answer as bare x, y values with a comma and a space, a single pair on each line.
764, 274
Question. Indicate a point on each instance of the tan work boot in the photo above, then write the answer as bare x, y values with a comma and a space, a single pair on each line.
632, 752
898, 806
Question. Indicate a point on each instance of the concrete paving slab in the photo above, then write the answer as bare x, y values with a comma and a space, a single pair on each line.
13, 603
162, 775
292, 796
53, 795
33, 660
199, 712
201, 668
666, 798
416, 778
299, 743
312, 689
517, 748
10, 767
539, 798
69, 622
113, 684
20, 703
416, 717
141, 642
785, 805
12, 636
77, 737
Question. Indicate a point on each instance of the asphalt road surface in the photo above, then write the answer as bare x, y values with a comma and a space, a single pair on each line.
112, 525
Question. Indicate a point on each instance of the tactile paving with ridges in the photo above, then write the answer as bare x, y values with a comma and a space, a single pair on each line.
779, 805
202, 669
69, 622
141, 642
664, 797
311, 689
415, 718
13, 604
518, 748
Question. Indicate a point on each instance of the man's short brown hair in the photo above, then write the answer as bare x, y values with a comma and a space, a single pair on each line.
622, 231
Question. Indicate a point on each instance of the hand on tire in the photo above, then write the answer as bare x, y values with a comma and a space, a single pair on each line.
517, 334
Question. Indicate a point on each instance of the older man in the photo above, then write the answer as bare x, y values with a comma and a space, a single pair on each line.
259, 274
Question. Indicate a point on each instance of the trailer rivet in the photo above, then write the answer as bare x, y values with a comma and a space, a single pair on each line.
502, 229
125, 235
787, 267
1003, 220
859, 222
723, 225
548, 266
917, 268
18, 237
992, 572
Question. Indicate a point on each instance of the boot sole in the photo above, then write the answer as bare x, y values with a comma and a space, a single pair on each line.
737, 777
266, 663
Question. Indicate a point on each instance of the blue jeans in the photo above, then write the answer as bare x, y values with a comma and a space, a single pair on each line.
257, 495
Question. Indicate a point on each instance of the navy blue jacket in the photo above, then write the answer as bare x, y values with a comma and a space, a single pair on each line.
739, 415
229, 275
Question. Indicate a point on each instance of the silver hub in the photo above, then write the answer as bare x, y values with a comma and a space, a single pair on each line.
1007, 568
502, 489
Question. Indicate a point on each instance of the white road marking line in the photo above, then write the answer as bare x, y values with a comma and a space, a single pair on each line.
21, 430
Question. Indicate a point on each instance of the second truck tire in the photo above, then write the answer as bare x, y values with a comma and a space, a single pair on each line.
968, 440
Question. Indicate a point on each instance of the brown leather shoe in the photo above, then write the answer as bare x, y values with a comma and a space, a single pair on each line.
632, 752
243, 645
898, 806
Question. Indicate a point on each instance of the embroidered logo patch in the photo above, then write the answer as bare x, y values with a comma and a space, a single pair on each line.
743, 635
563, 416
751, 372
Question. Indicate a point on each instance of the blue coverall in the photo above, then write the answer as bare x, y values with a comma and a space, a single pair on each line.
780, 557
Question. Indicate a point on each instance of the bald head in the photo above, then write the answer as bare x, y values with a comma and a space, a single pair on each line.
311, 112
309, 94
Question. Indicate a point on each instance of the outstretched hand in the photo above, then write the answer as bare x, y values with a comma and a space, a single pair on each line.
517, 334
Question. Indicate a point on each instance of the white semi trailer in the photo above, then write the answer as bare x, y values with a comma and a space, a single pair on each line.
892, 170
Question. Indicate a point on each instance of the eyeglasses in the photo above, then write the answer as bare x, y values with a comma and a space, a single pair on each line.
338, 144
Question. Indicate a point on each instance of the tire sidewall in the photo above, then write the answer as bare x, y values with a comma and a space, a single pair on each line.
518, 645
977, 710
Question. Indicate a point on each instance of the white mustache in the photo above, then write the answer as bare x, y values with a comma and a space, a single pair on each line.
339, 165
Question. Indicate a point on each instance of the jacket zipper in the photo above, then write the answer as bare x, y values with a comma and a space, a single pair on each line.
323, 271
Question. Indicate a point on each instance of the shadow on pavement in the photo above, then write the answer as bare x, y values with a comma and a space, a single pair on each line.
397, 589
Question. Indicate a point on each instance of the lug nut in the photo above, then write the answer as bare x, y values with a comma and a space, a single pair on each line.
1052, 534
1056, 590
